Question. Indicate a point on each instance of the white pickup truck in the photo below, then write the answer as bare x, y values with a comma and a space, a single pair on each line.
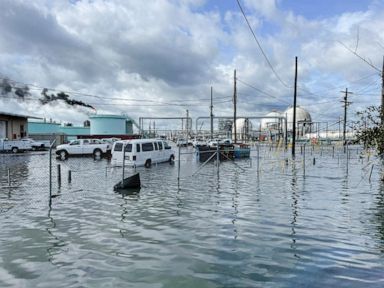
14, 146
37, 144
82, 147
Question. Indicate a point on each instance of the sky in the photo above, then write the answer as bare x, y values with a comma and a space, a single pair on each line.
160, 58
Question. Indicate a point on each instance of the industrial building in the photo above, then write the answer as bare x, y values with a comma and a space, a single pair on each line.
13, 126
99, 126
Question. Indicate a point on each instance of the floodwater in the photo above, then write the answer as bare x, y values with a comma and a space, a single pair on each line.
244, 224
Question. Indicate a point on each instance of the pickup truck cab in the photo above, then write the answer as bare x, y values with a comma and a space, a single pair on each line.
82, 147
37, 145
14, 146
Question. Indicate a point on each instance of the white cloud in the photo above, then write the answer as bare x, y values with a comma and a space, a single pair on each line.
173, 51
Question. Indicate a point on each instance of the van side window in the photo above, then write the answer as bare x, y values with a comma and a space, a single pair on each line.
147, 146
156, 147
137, 147
118, 147
160, 145
128, 148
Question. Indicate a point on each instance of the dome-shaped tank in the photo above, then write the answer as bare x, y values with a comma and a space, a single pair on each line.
270, 123
303, 119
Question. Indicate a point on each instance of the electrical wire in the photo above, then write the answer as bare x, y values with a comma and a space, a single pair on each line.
261, 49
262, 92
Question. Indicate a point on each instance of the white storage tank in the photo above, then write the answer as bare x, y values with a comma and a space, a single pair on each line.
303, 119
271, 123
103, 124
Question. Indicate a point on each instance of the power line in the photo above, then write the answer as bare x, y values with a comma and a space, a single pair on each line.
262, 92
261, 49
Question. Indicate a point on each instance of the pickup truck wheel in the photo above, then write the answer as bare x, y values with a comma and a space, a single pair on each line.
171, 159
148, 163
63, 154
34, 148
97, 153
15, 150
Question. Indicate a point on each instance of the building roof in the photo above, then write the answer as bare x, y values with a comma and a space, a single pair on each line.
19, 115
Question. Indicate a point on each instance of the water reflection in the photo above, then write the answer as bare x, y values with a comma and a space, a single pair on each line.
380, 213
57, 243
294, 205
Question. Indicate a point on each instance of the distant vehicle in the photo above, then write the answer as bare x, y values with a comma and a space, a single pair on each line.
141, 152
82, 147
199, 142
181, 142
110, 140
37, 145
214, 142
14, 146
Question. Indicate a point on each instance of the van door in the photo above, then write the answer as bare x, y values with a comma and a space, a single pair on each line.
161, 151
147, 152
117, 152
138, 153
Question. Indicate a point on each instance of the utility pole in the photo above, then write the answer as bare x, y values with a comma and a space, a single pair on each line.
294, 113
211, 107
187, 125
346, 104
234, 105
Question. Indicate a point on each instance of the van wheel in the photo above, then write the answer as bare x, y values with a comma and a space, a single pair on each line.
171, 159
97, 154
148, 163
63, 154
15, 150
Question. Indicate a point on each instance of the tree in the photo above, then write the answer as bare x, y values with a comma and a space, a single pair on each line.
369, 129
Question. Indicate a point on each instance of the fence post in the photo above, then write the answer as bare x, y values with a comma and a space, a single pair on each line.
304, 159
178, 166
69, 176
370, 174
122, 181
258, 158
9, 177
217, 156
50, 172
59, 175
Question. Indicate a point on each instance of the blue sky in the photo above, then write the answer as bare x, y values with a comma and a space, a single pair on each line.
321, 9
161, 57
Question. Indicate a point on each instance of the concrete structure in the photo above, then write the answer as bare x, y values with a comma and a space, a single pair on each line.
111, 125
13, 126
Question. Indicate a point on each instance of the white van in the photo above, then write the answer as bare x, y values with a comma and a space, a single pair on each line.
141, 152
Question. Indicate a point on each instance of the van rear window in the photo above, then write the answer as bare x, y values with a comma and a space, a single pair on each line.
128, 148
118, 147
147, 146
137, 147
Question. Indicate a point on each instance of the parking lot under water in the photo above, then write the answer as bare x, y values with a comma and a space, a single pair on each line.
267, 223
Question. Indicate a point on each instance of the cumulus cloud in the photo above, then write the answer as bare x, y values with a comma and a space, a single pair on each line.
161, 57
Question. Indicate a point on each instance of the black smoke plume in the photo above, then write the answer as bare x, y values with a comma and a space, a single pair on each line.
63, 97
6, 88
